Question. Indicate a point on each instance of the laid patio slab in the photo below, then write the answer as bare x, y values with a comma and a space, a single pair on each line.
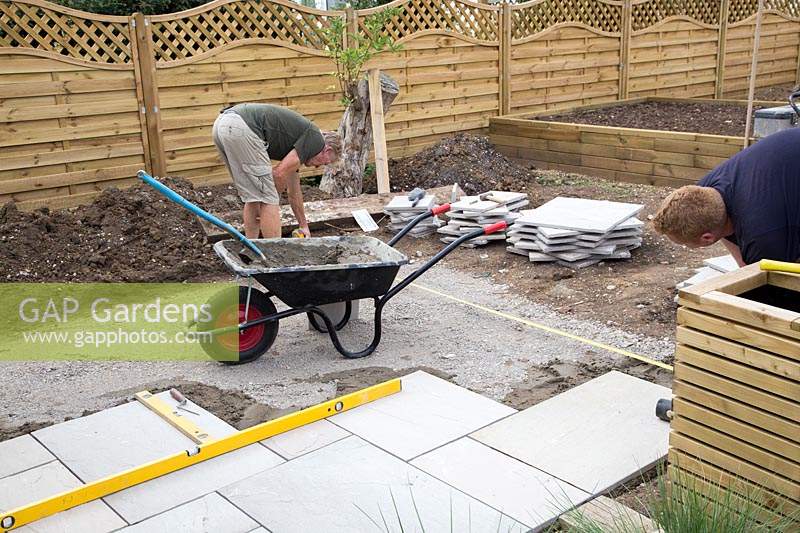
352, 485
524, 493
427, 413
594, 436
305, 439
20, 454
210, 514
130, 435
47, 480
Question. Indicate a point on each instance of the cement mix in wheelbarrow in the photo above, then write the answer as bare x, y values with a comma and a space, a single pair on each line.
412, 457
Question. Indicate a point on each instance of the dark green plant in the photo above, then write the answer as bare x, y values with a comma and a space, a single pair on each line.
127, 7
350, 60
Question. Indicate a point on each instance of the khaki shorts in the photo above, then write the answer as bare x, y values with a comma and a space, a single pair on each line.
246, 157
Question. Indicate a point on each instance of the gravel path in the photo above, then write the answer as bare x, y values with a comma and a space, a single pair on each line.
483, 352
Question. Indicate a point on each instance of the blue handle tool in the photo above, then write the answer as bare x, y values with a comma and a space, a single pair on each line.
183, 202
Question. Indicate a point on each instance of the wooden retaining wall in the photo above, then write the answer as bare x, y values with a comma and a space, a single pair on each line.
737, 391
85, 99
651, 157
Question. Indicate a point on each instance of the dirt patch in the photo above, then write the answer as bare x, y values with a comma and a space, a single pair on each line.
545, 381
348, 381
775, 94
469, 160
640, 492
133, 235
695, 117
220, 199
7, 433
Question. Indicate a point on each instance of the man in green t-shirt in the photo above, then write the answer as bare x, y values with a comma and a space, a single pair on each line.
249, 137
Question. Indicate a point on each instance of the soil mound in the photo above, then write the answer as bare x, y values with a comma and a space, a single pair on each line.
133, 235
469, 160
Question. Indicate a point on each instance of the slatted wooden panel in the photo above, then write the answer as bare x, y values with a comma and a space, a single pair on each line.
70, 124
777, 56
737, 389
564, 67
676, 57
193, 92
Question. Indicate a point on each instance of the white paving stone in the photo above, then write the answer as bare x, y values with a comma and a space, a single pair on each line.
130, 435
22, 453
723, 263
305, 439
349, 486
48, 480
518, 490
427, 413
594, 436
580, 214
210, 514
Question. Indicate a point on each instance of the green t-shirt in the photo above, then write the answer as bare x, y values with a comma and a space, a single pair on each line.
282, 130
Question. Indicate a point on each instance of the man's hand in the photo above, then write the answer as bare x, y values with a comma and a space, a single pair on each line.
306, 231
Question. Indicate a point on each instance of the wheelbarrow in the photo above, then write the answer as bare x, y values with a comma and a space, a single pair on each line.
307, 273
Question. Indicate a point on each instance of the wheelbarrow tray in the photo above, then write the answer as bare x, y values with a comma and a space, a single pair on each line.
337, 268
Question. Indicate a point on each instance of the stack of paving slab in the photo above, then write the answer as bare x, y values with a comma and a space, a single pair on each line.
577, 232
474, 212
715, 266
401, 211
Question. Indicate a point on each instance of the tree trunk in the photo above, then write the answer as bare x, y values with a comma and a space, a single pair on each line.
345, 177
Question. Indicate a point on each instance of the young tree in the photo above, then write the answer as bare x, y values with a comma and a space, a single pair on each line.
345, 177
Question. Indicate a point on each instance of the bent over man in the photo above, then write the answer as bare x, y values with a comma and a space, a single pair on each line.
247, 137
751, 202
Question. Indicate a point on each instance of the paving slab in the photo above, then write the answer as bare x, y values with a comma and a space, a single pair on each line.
130, 435
305, 439
427, 413
22, 453
594, 436
580, 214
352, 485
723, 263
210, 514
524, 493
48, 480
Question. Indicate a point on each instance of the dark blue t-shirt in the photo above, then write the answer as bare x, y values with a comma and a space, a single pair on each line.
761, 189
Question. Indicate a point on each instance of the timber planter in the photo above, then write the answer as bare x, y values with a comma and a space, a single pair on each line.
736, 391
634, 155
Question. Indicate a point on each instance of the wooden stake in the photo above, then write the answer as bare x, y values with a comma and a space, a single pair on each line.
149, 84
505, 59
753, 65
722, 45
378, 131
625, 49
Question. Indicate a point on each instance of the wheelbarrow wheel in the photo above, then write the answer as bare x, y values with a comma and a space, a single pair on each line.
319, 325
250, 343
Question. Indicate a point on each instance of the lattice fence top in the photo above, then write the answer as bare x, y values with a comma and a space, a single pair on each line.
646, 14
531, 19
468, 19
46, 27
741, 9
203, 29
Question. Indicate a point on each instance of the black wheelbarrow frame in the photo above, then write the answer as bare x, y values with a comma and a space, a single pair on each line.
305, 288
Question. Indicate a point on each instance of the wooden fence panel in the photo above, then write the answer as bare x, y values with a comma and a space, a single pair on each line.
70, 120
677, 57
777, 55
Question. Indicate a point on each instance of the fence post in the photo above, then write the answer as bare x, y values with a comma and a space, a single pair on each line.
505, 58
722, 46
145, 71
625, 49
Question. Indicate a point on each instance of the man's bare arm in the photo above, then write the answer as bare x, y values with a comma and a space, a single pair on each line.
734, 251
286, 176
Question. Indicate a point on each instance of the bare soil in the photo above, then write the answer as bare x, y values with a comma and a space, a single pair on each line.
776, 94
694, 117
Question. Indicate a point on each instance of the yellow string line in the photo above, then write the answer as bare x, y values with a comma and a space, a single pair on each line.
548, 329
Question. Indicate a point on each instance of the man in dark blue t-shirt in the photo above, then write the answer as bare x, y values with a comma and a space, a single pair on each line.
751, 202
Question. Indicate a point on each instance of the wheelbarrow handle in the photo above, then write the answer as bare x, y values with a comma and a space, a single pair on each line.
205, 215
488, 230
433, 211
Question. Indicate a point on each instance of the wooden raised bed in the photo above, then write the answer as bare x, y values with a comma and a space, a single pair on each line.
622, 154
736, 391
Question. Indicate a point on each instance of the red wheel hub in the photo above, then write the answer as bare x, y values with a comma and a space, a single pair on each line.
247, 338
